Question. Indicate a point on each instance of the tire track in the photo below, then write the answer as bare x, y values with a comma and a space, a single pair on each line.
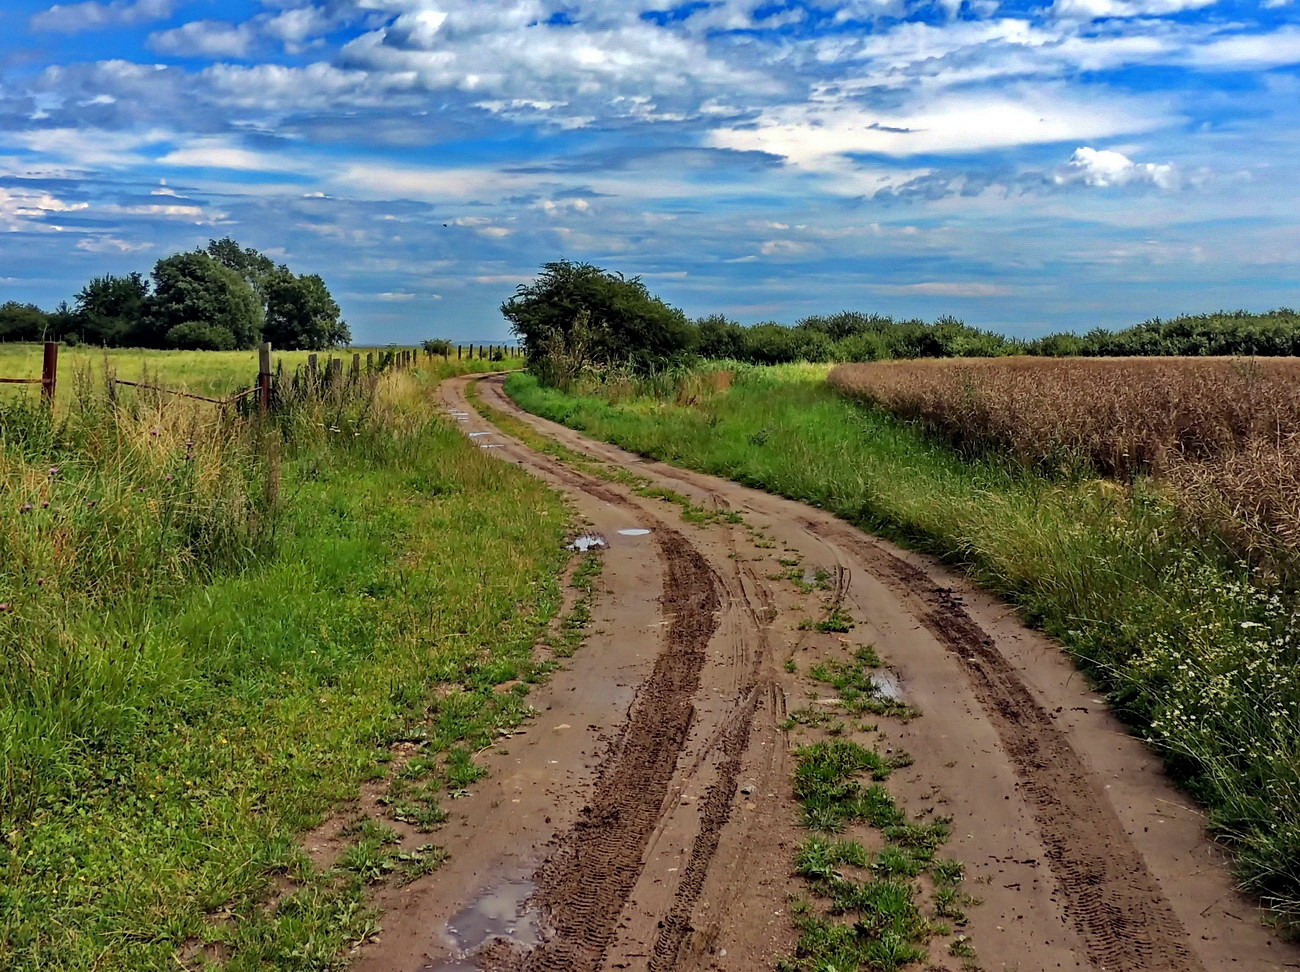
1112, 900
585, 885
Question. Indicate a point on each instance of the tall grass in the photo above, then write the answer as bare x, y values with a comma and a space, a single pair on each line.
1193, 648
211, 634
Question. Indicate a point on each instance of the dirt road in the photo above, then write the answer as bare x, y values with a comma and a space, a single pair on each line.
646, 819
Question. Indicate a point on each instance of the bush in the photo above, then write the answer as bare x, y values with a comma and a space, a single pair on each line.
200, 336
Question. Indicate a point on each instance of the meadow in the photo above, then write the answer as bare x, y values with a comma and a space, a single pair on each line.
1196, 648
213, 632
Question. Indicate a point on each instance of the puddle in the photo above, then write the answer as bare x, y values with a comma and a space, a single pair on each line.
634, 532
491, 445
500, 912
475, 435
588, 541
888, 686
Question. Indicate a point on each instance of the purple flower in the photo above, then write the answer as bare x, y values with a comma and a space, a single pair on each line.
91, 502
27, 508
45, 505
4, 606
170, 478
54, 470
189, 444
40, 582
154, 432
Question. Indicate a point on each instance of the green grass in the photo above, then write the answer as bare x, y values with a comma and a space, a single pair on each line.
1201, 657
194, 671
214, 374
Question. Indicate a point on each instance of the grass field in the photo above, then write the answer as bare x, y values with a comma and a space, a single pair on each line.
211, 635
211, 373
1199, 653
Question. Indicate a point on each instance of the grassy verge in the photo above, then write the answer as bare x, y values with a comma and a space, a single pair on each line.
1201, 656
212, 638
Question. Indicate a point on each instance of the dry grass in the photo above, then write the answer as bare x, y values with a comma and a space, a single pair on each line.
1222, 433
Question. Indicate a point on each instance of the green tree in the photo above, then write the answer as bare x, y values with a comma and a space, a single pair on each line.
301, 314
194, 289
253, 265
111, 310
597, 318
22, 322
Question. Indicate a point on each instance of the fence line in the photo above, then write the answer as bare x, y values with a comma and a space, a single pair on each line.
267, 381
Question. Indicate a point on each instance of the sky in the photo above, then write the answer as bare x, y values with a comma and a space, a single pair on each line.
1027, 167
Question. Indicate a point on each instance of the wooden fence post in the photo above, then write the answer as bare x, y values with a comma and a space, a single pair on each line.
356, 366
458, 350
370, 361
312, 368
49, 372
336, 369
264, 377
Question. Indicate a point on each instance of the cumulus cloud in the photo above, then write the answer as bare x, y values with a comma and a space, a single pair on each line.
19, 207
75, 17
1102, 168
205, 38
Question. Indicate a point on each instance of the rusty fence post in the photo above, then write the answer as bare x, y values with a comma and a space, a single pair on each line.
264, 377
49, 372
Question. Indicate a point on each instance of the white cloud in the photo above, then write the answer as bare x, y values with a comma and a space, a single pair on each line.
90, 147
1099, 9
1103, 169
1239, 51
75, 17
18, 207
785, 248
205, 38
111, 244
221, 153
944, 288
947, 124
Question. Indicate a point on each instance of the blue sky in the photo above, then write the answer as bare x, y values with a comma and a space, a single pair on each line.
1024, 166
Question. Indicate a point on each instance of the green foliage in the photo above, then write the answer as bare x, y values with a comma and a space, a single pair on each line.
300, 313
22, 322
439, 346
191, 288
1276, 332
111, 310
578, 316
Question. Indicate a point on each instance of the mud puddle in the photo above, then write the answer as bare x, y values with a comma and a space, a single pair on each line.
499, 916
634, 532
887, 685
588, 541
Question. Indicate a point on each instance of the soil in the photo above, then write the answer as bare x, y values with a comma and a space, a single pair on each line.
645, 819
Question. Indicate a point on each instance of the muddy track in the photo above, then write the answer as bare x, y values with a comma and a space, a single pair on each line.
660, 836
586, 884
1110, 897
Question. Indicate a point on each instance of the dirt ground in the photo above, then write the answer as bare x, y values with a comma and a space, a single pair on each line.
645, 819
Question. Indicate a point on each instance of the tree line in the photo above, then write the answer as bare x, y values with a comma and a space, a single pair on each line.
575, 316
220, 298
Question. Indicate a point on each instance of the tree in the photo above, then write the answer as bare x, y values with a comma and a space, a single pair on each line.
193, 288
22, 322
254, 266
602, 318
301, 314
111, 310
